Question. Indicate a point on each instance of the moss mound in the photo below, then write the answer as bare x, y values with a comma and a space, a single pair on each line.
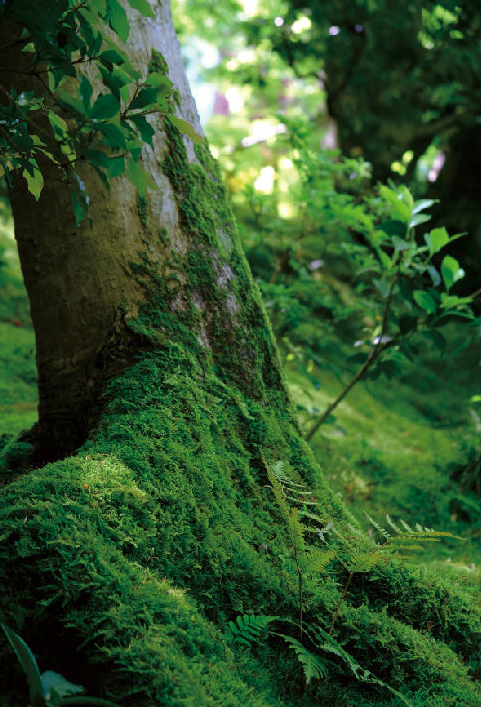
123, 565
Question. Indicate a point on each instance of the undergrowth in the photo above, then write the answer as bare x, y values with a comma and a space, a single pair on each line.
163, 528
126, 565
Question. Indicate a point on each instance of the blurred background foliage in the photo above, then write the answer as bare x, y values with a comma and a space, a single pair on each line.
308, 106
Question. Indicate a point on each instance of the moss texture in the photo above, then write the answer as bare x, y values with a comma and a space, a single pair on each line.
127, 560
145, 544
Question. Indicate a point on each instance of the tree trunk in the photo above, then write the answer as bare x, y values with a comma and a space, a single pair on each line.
155, 354
87, 285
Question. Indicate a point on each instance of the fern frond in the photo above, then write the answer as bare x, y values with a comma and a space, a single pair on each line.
247, 628
407, 534
277, 468
391, 523
318, 519
278, 491
302, 501
296, 531
312, 665
363, 561
382, 531
317, 560
401, 547
325, 642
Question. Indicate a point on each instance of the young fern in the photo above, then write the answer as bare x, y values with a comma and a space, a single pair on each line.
312, 665
324, 642
248, 628
398, 539
307, 560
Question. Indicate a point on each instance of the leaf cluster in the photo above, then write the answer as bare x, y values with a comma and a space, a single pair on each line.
65, 121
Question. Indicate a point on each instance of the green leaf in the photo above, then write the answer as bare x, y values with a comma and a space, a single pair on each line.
436, 240
186, 129
363, 561
97, 158
70, 102
423, 204
158, 80
385, 260
450, 271
58, 124
34, 178
394, 227
312, 665
248, 628
145, 97
143, 126
425, 301
118, 81
139, 177
86, 91
115, 167
55, 685
112, 56
416, 219
452, 301
100, 6
143, 7
105, 107
117, 19
29, 665
400, 202
381, 285
434, 275
400, 244
114, 135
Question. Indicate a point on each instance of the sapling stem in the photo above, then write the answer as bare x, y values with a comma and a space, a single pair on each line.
374, 354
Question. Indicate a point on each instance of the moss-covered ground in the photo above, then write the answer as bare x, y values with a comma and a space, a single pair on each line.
408, 447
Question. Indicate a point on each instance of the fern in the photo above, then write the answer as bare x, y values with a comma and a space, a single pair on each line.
277, 469
363, 561
407, 539
296, 531
317, 560
312, 665
276, 486
325, 642
248, 628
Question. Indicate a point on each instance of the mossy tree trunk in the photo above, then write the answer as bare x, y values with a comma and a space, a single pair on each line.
87, 285
122, 564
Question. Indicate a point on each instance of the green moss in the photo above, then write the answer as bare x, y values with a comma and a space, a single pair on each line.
142, 209
144, 545
238, 329
157, 63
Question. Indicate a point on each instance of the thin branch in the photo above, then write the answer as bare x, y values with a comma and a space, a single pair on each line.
373, 356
